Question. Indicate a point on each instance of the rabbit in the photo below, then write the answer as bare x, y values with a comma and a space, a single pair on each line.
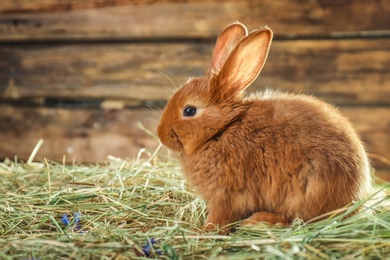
268, 157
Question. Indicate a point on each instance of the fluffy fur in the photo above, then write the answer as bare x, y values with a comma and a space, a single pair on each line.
268, 157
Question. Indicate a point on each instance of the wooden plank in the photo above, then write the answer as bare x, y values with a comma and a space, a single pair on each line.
132, 19
82, 135
383, 176
90, 135
340, 71
373, 125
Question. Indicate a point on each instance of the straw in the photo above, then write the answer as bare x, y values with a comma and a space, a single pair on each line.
143, 208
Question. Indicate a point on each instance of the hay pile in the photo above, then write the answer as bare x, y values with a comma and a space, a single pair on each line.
143, 208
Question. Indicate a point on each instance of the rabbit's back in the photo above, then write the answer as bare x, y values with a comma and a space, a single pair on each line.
320, 162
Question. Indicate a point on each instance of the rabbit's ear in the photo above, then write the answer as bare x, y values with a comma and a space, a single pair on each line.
244, 63
226, 42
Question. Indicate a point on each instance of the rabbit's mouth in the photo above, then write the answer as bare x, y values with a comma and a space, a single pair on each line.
169, 137
175, 143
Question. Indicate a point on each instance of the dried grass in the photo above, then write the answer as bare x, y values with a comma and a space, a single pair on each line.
113, 210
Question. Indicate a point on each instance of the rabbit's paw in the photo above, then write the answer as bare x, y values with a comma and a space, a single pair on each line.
267, 217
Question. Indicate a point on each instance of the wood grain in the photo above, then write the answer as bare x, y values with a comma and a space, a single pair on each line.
140, 19
83, 135
373, 125
343, 72
383, 176
90, 135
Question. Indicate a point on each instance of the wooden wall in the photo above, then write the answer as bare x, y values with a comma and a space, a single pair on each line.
83, 74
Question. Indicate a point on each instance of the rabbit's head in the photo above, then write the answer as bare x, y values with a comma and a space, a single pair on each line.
204, 107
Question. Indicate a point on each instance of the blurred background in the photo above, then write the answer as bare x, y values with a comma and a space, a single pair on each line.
90, 77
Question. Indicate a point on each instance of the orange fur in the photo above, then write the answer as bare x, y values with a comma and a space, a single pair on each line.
273, 156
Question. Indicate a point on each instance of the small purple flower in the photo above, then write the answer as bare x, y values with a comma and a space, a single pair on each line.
147, 249
76, 220
65, 219
77, 216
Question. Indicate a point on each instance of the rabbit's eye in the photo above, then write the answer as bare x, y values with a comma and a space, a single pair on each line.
189, 111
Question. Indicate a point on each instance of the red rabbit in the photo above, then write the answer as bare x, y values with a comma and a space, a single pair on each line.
270, 156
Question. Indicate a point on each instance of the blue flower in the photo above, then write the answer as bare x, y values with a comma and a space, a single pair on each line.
65, 219
76, 220
147, 249
77, 216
